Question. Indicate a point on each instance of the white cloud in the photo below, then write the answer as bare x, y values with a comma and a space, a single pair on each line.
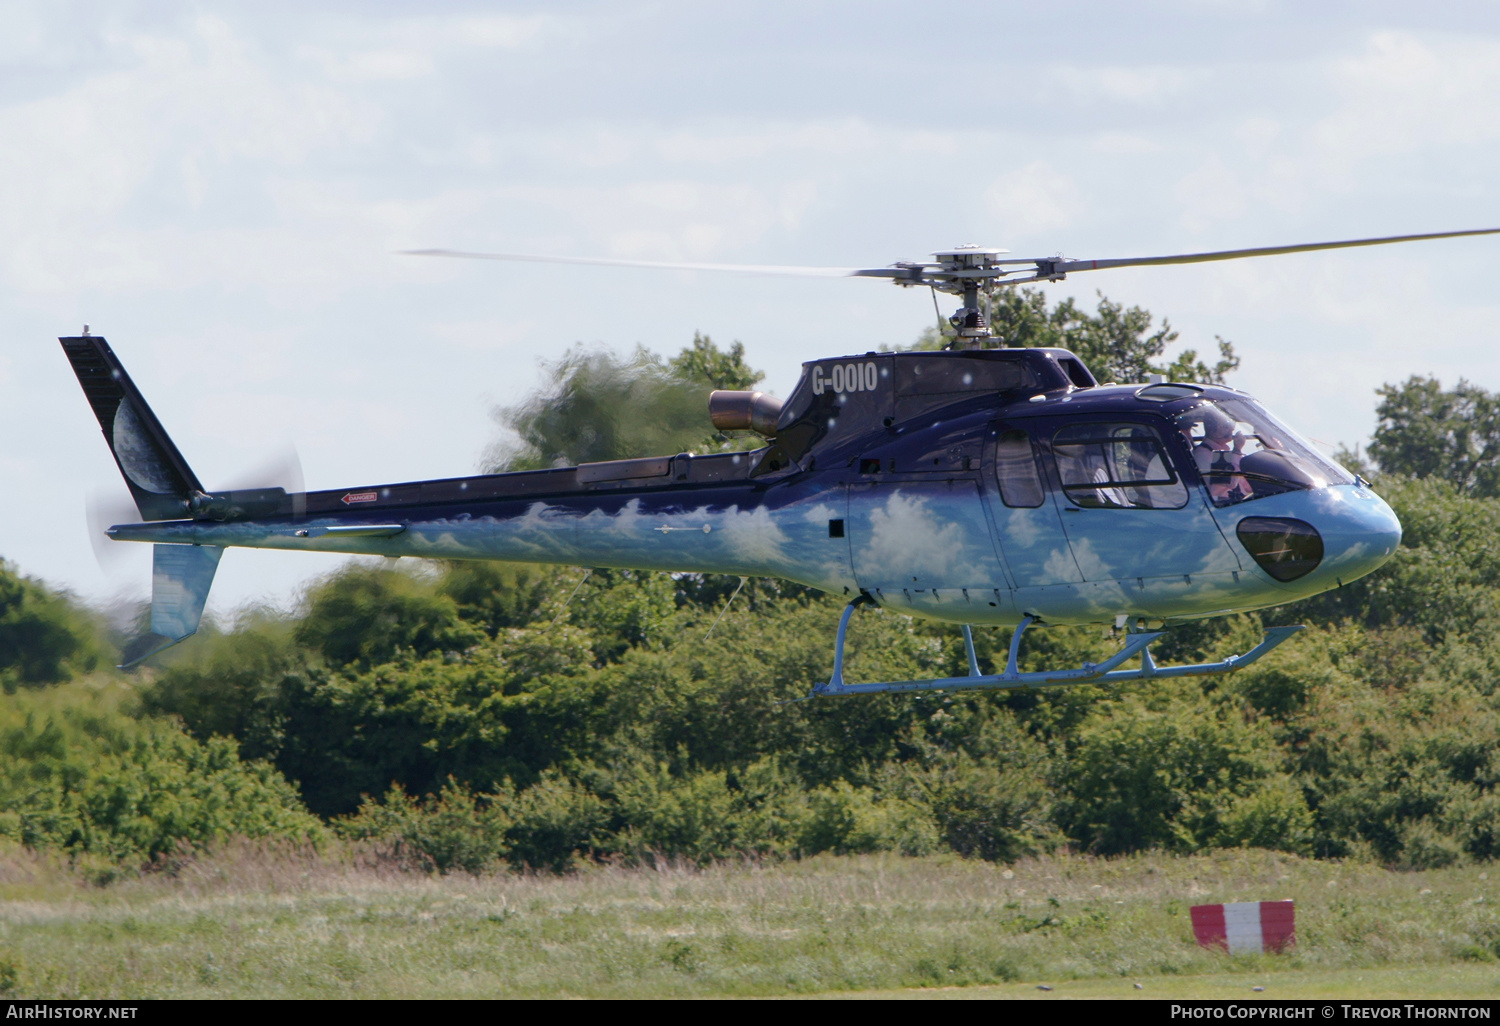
727, 144
1125, 143
1132, 85
1407, 92
910, 541
1034, 198
1402, 96
662, 219
1211, 192
485, 32
407, 48
1257, 134
159, 133
373, 65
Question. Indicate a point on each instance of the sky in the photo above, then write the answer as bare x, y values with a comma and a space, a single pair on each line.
220, 190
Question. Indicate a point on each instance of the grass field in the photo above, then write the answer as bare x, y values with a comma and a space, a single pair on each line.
249, 924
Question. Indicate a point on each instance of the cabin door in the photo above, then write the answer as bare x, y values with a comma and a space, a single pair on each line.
1128, 512
925, 546
1028, 522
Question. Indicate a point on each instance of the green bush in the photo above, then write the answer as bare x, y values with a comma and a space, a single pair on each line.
44, 637
844, 819
231, 685
1409, 774
78, 775
494, 596
452, 830
364, 616
1274, 816
1348, 740
554, 823
1156, 768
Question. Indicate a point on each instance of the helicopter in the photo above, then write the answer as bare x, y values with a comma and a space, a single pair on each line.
978, 485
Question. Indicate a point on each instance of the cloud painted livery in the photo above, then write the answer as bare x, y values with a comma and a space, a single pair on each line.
999, 487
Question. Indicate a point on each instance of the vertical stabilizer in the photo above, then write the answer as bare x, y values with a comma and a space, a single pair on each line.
158, 477
180, 578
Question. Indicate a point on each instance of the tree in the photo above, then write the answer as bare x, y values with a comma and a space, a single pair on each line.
599, 406
1454, 435
367, 615
705, 362
1117, 343
44, 637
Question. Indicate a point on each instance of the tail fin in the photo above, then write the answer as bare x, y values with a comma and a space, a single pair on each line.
158, 477
162, 485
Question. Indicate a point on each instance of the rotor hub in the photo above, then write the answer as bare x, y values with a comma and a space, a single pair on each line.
968, 270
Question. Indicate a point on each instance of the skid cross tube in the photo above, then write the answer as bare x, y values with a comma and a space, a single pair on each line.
1089, 673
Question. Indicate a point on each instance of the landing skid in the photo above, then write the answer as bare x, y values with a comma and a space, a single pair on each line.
1105, 672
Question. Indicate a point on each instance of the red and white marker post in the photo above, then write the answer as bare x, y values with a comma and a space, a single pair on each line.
1245, 926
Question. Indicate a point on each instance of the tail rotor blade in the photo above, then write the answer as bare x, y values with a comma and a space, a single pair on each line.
281, 468
103, 510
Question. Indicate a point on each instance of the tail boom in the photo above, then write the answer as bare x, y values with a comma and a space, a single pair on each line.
732, 536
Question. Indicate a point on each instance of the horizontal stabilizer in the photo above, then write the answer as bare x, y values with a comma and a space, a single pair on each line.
180, 578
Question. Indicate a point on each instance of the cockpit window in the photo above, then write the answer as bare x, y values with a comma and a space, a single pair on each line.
1116, 466
1244, 453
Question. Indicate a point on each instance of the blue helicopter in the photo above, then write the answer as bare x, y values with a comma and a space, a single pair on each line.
978, 485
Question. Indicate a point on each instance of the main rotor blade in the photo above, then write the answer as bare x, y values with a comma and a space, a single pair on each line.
1069, 266
760, 269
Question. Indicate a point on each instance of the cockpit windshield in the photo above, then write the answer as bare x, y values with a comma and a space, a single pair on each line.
1244, 453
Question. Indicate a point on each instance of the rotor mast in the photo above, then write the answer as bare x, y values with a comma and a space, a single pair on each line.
972, 269
968, 272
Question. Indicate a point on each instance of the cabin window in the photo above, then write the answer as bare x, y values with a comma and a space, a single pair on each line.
1015, 470
1116, 466
924, 375
1078, 374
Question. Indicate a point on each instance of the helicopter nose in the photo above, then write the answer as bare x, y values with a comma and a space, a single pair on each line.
1360, 532
1323, 538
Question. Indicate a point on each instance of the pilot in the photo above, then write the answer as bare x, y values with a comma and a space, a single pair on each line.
1218, 454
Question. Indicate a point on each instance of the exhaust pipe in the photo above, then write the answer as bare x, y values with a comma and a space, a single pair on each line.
740, 411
